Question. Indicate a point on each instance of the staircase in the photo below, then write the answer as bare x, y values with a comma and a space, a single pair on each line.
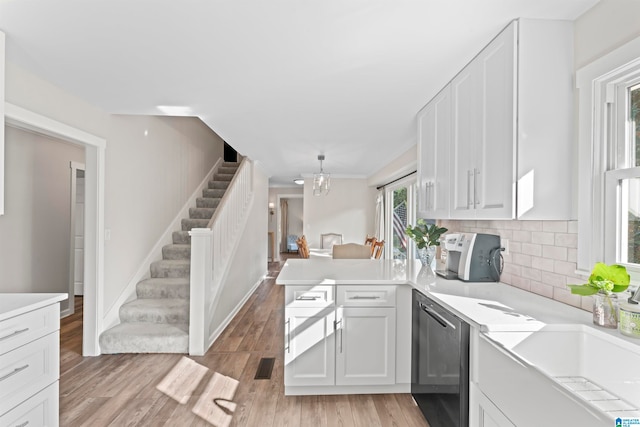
158, 320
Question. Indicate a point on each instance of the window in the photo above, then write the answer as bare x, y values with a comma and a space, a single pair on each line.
401, 210
609, 160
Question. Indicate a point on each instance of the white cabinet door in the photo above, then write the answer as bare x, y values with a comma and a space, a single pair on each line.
365, 340
483, 413
464, 97
309, 353
434, 139
494, 171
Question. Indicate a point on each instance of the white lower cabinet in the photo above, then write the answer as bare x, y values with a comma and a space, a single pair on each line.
483, 413
331, 347
309, 354
365, 353
30, 367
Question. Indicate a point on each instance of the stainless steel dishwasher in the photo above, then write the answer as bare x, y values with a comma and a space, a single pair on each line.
439, 364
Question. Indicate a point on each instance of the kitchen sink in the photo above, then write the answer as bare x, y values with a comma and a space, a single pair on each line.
601, 369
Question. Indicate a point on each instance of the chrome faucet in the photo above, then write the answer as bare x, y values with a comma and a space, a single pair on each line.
635, 298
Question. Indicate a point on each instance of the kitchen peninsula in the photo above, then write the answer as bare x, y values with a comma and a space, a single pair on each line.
348, 330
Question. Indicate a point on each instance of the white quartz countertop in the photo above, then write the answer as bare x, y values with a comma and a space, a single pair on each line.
488, 306
15, 304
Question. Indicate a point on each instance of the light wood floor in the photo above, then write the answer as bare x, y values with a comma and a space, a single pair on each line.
121, 390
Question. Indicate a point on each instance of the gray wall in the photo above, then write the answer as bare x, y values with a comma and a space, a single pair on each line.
35, 230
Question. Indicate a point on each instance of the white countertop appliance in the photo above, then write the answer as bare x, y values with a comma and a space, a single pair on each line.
472, 257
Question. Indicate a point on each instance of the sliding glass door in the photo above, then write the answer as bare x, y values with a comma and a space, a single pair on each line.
400, 203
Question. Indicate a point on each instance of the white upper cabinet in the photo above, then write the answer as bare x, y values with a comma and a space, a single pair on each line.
510, 135
434, 134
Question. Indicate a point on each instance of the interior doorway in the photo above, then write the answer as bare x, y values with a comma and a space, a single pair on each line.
289, 217
76, 255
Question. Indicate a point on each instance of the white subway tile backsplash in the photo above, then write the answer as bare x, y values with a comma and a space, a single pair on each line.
553, 279
541, 289
568, 240
532, 225
564, 267
545, 264
522, 236
532, 249
531, 273
521, 259
555, 226
554, 252
542, 237
542, 255
565, 296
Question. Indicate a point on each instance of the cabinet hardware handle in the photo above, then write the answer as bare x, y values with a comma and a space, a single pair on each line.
438, 318
15, 371
307, 298
469, 177
431, 195
338, 328
364, 297
288, 335
476, 172
13, 334
23, 424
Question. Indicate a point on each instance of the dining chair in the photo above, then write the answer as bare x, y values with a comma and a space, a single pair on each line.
327, 240
369, 241
377, 249
303, 248
351, 251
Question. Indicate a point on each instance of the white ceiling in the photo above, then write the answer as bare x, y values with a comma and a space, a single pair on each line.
280, 80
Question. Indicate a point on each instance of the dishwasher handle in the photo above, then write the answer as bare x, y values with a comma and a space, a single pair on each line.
437, 317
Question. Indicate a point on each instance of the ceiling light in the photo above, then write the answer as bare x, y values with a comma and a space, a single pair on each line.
321, 180
299, 181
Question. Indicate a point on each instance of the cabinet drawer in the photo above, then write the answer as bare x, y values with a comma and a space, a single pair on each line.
28, 369
309, 296
366, 296
40, 410
27, 327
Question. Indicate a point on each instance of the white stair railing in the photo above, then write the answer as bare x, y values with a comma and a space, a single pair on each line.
212, 249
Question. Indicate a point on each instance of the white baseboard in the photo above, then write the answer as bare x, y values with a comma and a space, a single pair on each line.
112, 317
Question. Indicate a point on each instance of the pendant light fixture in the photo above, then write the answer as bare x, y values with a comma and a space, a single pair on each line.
321, 180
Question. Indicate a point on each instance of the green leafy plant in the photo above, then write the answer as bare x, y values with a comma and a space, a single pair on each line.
604, 278
425, 234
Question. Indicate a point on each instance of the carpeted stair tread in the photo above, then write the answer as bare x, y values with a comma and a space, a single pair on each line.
228, 170
163, 287
227, 177
189, 223
171, 268
145, 338
181, 237
213, 192
176, 251
219, 185
207, 202
157, 310
201, 213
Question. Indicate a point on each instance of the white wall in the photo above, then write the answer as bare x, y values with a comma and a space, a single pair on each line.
405, 163
141, 185
35, 230
348, 209
148, 180
249, 265
605, 27
295, 216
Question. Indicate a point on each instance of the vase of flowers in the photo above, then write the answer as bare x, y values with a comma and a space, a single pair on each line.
604, 284
427, 237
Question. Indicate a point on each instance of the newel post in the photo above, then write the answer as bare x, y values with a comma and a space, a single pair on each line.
201, 246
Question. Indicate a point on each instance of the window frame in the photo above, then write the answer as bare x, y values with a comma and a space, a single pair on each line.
411, 184
602, 87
